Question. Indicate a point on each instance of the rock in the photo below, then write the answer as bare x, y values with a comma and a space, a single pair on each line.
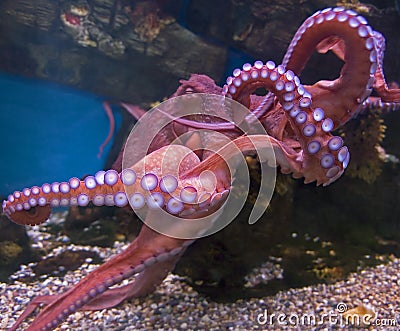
99, 48
13, 252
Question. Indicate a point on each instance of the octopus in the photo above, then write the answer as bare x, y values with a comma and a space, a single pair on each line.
188, 181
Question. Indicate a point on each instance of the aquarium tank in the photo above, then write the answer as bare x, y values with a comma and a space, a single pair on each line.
196, 165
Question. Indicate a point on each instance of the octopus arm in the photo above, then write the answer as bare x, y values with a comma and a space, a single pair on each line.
151, 255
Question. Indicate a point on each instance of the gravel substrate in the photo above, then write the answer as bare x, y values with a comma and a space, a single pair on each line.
176, 306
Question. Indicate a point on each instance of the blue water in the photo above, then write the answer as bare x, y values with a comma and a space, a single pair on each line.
48, 133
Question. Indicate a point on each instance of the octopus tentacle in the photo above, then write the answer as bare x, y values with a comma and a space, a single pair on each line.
324, 157
353, 40
111, 119
135, 111
350, 37
387, 95
148, 249
151, 255
143, 184
377, 103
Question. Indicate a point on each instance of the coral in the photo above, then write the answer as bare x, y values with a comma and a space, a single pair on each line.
9, 251
359, 7
148, 19
363, 136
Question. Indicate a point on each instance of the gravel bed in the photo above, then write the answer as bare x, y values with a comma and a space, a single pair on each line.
177, 306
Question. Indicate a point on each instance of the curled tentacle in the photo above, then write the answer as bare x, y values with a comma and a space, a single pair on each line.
358, 45
323, 156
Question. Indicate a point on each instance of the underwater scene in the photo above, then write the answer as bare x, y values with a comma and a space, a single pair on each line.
198, 165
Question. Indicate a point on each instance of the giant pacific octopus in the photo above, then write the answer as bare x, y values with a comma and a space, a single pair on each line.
299, 120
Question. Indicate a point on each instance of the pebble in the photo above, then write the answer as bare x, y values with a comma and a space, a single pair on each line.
175, 305
263, 274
